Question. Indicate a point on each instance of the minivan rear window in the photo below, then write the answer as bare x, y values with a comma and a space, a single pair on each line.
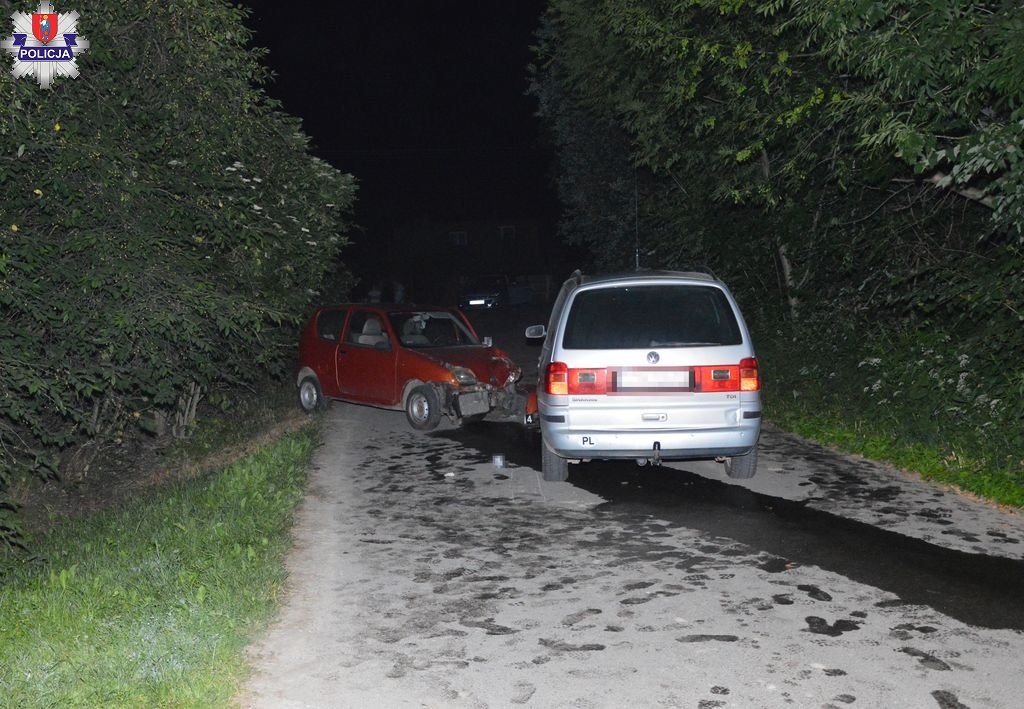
637, 317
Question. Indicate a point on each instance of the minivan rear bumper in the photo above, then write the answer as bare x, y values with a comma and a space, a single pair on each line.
690, 444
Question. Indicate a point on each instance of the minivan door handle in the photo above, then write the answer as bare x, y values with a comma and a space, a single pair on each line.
654, 417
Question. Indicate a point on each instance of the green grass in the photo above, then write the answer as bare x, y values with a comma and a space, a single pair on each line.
1000, 482
152, 605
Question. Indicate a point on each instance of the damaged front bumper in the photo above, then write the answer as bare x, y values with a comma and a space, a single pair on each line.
471, 403
510, 403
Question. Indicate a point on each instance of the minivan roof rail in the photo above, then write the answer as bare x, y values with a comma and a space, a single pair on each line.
701, 269
578, 276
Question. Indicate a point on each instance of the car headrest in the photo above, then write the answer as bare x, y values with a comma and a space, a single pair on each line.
372, 327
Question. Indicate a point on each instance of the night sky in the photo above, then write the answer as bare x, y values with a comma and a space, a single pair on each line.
423, 101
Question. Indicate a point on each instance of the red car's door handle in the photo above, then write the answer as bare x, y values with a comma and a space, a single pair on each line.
342, 353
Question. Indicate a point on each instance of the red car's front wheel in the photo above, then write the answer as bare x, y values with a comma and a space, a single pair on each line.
422, 408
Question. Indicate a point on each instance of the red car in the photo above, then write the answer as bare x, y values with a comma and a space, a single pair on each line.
425, 360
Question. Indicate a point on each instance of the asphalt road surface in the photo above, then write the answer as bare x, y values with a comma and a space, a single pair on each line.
424, 575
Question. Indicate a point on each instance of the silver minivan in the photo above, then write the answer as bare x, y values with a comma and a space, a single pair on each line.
649, 365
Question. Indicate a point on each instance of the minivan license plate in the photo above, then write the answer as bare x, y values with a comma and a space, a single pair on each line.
652, 379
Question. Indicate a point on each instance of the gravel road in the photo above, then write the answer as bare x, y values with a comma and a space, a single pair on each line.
425, 576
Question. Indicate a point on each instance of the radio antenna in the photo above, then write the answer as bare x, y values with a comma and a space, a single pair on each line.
636, 217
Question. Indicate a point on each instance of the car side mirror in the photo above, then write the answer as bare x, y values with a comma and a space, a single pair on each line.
535, 332
487, 342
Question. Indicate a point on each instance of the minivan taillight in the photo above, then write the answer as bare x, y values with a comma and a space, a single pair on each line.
561, 381
719, 378
727, 377
749, 379
556, 379
588, 381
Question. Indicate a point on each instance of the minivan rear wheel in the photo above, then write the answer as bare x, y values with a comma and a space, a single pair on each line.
553, 467
742, 467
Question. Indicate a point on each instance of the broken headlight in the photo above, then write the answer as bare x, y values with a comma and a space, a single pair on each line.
463, 376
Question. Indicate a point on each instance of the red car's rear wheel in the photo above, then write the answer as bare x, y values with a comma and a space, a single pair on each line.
311, 398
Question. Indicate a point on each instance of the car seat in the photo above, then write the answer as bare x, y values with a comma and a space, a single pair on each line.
372, 333
411, 334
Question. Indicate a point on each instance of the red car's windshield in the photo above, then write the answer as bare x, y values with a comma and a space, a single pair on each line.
421, 328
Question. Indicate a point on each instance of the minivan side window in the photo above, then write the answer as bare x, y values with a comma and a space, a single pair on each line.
636, 317
556, 311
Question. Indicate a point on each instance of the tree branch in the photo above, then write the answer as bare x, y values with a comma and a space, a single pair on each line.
940, 179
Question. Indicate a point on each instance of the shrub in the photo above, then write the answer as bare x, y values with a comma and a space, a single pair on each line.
163, 226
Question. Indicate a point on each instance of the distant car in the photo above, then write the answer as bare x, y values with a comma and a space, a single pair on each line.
650, 365
427, 361
492, 291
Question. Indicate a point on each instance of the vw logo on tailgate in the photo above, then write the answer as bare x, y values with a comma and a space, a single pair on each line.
653, 357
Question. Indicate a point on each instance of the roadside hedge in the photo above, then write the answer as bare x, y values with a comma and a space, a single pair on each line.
163, 225
854, 170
